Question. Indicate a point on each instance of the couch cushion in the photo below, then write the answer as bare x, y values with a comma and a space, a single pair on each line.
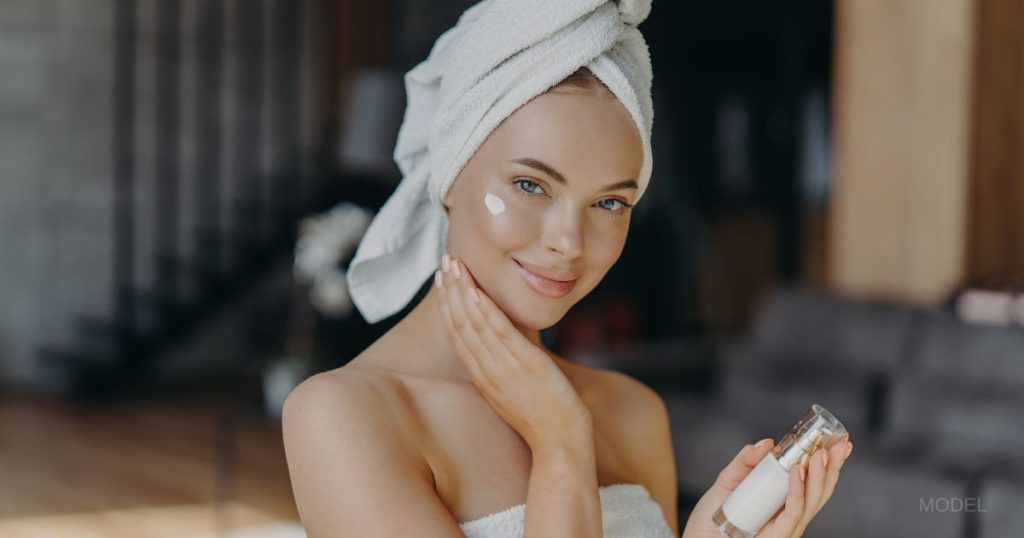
822, 326
979, 356
959, 419
706, 435
1000, 513
879, 496
770, 389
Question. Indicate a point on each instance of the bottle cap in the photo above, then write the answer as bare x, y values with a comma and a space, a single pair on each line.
816, 429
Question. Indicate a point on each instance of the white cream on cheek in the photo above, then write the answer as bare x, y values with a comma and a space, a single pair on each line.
494, 204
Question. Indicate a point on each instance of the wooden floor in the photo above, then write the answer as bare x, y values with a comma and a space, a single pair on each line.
139, 470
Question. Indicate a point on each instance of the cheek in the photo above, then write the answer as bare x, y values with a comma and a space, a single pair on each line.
491, 226
605, 242
506, 223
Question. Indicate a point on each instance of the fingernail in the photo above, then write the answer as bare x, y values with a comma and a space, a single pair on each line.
444, 262
803, 474
437, 279
455, 268
824, 458
848, 450
476, 296
762, 442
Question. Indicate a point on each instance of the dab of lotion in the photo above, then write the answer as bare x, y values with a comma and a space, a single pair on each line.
494, 204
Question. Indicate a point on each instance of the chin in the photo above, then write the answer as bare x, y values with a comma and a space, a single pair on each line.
528, 315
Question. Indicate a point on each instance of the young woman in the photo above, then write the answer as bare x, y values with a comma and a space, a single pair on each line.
458, 421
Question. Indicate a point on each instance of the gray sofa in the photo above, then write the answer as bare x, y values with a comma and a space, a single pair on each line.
935, 408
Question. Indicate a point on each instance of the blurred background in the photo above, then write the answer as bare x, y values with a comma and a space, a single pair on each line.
836, 217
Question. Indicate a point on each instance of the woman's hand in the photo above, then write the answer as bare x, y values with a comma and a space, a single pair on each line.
809, 490
520, 380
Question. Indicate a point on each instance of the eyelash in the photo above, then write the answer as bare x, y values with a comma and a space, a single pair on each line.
625, 206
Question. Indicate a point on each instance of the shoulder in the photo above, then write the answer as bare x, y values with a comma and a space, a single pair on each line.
356, 465
345, 397
351, 457
360, 392
619, 399
330, 409
331, 394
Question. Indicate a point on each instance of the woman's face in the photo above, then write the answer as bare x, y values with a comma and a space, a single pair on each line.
510, 218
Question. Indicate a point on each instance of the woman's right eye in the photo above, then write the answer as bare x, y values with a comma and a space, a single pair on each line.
531, 187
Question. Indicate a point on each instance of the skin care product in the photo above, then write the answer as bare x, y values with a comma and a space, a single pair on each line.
760, 495
494, 204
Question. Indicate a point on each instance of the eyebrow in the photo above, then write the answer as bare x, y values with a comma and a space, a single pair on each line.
547, 169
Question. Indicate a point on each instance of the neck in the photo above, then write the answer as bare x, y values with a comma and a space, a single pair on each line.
436, 355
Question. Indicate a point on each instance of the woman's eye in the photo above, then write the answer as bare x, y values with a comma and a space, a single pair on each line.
530, 186
613, 201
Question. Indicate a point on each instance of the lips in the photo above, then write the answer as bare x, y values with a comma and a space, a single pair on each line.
547, 281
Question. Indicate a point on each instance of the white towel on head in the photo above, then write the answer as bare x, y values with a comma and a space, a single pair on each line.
499, 56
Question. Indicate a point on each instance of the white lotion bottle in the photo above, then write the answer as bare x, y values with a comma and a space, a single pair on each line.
760, 495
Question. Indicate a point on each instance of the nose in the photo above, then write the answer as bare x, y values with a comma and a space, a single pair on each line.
563, 233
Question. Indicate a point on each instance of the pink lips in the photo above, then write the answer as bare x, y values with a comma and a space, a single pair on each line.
547, 281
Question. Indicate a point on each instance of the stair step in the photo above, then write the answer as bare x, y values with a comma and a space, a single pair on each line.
120, 338
91, 377
67, 356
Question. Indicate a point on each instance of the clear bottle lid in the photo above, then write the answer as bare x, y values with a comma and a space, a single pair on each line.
816, 429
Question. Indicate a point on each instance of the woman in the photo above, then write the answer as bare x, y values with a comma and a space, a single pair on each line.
458, 421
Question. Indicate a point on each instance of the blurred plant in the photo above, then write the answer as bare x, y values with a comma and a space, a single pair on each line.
325, 240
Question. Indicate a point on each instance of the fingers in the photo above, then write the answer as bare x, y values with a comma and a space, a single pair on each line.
473, 302
467, 344
837, 458
511, 339
808, 491
786, 523
743, 463
456, 339
814, 487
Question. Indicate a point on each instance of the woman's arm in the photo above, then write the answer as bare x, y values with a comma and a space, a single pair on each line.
350, 471
563, 476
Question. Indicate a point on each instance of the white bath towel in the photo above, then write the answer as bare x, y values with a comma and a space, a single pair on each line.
627, 511
499, 56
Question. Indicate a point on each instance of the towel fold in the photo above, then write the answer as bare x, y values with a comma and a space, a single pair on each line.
498, 56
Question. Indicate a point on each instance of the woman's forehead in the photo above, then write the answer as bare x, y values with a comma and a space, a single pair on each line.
579, 134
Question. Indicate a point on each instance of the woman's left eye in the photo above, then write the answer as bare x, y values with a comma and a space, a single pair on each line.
622, 206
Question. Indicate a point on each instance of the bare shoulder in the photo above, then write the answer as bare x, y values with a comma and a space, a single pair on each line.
617, 398
354, 464
348, 400
332, 395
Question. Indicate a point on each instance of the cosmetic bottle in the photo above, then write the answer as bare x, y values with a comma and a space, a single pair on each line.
760, 495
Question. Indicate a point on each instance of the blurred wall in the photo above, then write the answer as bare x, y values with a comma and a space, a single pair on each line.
145, 143
996, 231
902, 128
55, 167
929, 143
